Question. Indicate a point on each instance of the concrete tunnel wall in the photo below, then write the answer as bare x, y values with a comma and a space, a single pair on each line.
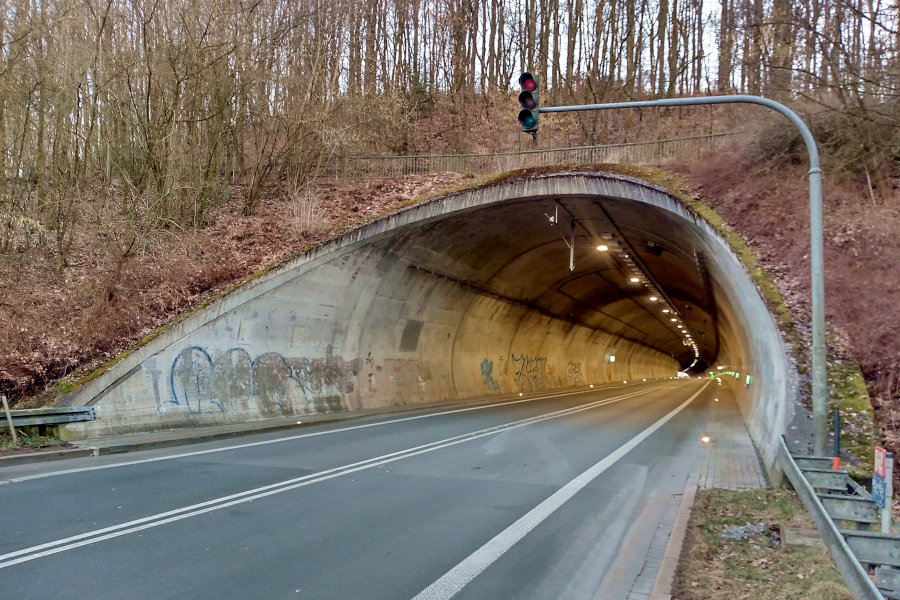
353, 324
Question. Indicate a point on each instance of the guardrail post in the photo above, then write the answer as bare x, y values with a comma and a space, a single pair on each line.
12, 430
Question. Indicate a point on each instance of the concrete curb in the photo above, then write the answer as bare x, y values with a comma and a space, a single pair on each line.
184, 437
208, 437
37, 457
662, 589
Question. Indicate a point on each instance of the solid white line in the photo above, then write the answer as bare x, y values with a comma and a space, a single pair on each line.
285, 439
456, 578
92, 537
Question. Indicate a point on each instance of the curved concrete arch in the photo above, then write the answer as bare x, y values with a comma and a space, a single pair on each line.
464, 296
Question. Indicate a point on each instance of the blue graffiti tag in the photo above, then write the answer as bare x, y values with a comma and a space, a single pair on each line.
193, 370
487, 375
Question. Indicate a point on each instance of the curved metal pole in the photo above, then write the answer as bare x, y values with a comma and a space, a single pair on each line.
817, 263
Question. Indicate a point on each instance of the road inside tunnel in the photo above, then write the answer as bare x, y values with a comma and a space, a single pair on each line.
557, 495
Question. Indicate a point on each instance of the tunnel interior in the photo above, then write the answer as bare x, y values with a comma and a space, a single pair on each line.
532, 284
639, 276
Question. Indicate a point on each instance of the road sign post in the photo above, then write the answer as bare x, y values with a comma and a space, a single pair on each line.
882, 485
836, 454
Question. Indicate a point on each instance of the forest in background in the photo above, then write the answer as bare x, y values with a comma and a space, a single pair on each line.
131, 131
152, 108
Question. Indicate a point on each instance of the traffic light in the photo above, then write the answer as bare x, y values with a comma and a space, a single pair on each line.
528, 98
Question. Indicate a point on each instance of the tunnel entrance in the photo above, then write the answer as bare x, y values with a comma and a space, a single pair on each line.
634, 272
536, 282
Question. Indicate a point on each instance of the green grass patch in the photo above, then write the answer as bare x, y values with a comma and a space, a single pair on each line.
25, 443
758, 567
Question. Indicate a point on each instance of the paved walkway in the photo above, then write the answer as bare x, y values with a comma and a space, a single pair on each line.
731, 462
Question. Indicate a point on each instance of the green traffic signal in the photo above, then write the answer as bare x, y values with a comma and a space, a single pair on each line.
528, 120
528, 99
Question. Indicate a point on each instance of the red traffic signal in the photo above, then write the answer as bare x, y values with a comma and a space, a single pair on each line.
527, 82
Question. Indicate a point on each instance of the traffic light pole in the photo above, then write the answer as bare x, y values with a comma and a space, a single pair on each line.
819, 386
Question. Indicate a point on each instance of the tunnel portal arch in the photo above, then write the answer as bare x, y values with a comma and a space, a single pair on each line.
467, 295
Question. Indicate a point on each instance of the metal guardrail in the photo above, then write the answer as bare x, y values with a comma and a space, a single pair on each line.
861, 586
52, 415
630, 153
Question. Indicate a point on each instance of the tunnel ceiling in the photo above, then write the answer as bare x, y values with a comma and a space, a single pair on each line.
519, 251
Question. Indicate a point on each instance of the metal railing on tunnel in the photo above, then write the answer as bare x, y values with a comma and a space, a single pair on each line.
636, 153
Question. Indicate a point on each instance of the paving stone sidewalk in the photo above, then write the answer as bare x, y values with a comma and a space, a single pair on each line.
731, 462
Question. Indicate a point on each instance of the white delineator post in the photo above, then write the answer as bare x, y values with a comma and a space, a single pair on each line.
883, 485
889, 493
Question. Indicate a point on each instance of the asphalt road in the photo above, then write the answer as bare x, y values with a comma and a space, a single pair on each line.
553, 497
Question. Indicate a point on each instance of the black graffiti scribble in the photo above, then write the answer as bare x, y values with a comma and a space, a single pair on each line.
528, 371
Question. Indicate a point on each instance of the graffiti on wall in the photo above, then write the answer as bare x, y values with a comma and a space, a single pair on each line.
280, 385
529, 371
573, 370
487, 375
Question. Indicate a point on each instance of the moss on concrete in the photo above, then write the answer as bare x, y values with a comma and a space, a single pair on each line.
848, 393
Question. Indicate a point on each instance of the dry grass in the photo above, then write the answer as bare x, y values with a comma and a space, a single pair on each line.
759, 567
26, 443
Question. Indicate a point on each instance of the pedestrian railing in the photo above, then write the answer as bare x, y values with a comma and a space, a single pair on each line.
637, 153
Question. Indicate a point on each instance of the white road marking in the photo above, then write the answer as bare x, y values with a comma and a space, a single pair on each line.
91, 537
283, 439
456, 578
